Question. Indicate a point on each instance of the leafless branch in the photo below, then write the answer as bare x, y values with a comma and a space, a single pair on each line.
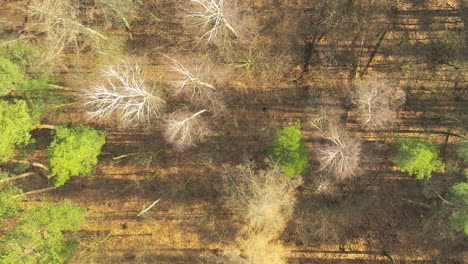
196, 83
149, 207
212, 18
379, 100
265, 198
124, 92
342, 155
60, 21
184, 130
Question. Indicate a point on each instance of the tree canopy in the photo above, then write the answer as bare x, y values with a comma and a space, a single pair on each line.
38, 237
74, 152
289, 150
15, 124
418, 157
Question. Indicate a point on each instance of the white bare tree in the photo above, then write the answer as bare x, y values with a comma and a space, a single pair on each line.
196, 83
212, 18
342, 154
379, 100
124, 93
184, 129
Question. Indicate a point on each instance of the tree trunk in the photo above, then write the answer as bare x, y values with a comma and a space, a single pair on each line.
40, 191
23, 175
34, 164
45, 126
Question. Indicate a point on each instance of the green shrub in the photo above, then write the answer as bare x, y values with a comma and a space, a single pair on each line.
290, 151
462, 150
459, 198
10, 198
418, 157
15, 125
74, 152
23, 54
11, 77
16, 73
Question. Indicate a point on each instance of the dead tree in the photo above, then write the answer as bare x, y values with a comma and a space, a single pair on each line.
378, 100
341, 155
212, 18
61, 22
184, 129
195, 83
264, 198
124, 93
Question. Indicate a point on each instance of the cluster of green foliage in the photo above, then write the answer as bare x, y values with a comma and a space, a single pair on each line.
290, 151
74, 152
15, 125
10, 197
16, 69
418, 157
23, 54
38, 237
462, 150
11, 76
10, 200
459, 198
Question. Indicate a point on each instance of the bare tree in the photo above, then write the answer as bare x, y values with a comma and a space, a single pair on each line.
124, 93
212, 17
264, 198
196, 83
379, 100
221, 21
342, 154
60, 20
184, 129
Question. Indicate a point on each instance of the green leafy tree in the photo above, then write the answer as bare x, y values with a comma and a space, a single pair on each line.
10, 198
15, 124
459, 198
24, 54
290, 151
74, 152
418, 157
11, 76
38, 237
20, 76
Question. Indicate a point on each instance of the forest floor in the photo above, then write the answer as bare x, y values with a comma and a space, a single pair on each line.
191, 219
